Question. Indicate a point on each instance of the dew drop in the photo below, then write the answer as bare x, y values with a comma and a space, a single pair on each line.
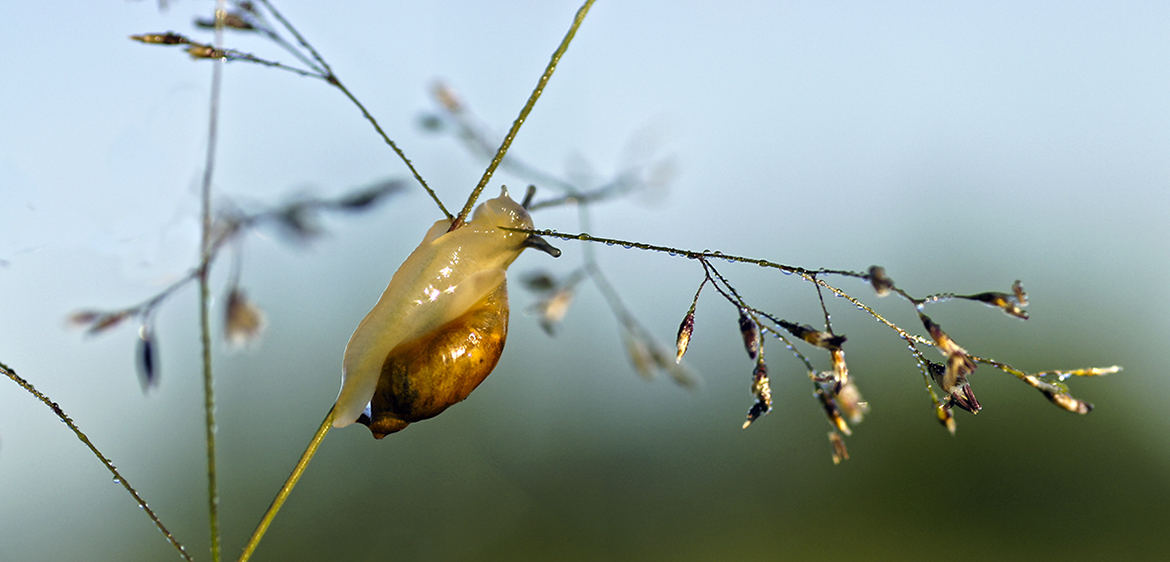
609, 243
627, 246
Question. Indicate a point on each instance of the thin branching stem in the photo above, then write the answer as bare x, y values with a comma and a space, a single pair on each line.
536, 92
810, 275
332, 78
118, 477
285, 490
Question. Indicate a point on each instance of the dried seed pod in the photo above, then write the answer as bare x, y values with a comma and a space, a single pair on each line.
1058, 395
751, 334
553, 309
840, 369
830, 407
231, 20
1003, 301
824, 340
147, 358
639, 353
762, 390
99, 321
953, 378
688, 325
447, 97
1069, 403
1018, 292
684, 335
946, 417
539, 281
363, 199
852, 405
168, 38
439, 328
243, 320
839, 451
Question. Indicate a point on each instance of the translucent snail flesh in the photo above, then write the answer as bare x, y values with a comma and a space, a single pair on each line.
440, 326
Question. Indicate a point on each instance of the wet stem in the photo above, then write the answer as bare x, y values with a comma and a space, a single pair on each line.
206, 252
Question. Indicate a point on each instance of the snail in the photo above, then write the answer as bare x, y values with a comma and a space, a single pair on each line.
439, 328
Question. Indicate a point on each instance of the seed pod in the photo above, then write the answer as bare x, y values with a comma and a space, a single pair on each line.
684, 335
839, 451
553, 309
762, 390
439, 328
946, 417
852, 405
147, 358
830, 407
751, 334
824, 340
882, 284
243, 321
168, 38
840, 369
1008, 303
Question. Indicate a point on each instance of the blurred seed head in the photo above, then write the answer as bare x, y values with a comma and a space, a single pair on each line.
851, 403
839, 451
96, 322
147, 358
244, 322
168, 38
553, 309
882, 284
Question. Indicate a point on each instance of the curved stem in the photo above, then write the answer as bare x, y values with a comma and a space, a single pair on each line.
60, 412
548, 72
332, 78
285, 490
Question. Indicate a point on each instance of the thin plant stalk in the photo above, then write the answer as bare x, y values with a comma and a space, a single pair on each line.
323, 430
11, 374
205, 291
285, 490
499, 157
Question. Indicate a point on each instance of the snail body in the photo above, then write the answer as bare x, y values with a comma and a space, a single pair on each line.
439, 327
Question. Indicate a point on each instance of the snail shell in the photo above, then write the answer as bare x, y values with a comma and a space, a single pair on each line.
440, 325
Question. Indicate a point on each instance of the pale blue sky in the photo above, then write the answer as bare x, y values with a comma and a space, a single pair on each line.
962, 146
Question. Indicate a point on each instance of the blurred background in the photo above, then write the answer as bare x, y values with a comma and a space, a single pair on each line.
962, 147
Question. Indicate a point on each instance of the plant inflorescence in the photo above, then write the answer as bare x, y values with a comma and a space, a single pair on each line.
946, 377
